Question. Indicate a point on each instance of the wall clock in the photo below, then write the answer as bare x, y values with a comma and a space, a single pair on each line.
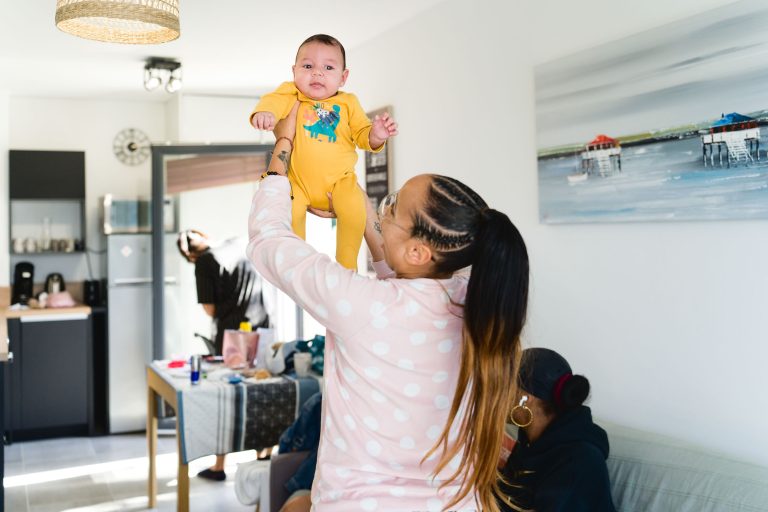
131, 146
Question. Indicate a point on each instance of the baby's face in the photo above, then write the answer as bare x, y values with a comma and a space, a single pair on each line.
319, 70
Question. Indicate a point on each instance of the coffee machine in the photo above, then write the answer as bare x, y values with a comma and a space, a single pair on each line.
23, 279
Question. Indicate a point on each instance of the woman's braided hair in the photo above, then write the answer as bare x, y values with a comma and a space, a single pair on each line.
463, 232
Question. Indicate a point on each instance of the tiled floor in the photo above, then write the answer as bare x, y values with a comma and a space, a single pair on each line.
108, 474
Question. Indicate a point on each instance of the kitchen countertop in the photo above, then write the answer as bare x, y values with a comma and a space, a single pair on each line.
6, 313
81, 309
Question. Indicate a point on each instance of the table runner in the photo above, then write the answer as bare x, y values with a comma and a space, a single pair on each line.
218, 417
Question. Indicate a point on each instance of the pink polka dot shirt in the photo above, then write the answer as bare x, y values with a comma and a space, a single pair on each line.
391, 365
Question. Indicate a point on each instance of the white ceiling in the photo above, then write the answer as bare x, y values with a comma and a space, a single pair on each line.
227, 47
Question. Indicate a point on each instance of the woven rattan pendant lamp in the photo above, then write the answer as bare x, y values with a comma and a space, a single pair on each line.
120, 21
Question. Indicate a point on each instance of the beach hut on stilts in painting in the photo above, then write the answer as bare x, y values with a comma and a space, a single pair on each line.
601, 156
733, 139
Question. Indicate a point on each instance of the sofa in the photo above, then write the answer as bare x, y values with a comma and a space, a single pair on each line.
648, 473
654, 473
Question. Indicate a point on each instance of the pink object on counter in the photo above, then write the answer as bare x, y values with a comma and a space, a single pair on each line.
60, 300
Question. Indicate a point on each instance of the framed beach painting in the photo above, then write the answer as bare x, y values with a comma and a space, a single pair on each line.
669, 124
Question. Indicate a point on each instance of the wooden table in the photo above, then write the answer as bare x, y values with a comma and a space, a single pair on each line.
248, 415
157, 388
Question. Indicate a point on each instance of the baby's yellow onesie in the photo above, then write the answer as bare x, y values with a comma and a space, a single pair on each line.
323, 160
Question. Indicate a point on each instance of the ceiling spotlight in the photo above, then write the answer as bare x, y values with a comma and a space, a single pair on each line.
152, 79
174, 82
158, 70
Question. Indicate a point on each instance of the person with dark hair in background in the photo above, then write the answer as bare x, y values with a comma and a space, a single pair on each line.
228, 287
558, 462
230, 291
416, 361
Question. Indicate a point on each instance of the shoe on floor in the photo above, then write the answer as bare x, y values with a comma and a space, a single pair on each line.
211, 474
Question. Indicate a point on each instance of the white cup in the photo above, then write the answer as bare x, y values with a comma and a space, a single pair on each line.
302, 361
18, 245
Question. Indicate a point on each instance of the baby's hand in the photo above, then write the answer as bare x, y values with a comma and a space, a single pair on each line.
263, 121
383, 128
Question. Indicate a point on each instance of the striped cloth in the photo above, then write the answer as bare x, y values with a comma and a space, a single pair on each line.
218, 417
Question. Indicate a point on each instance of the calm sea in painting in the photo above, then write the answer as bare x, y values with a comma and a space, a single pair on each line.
654, 98
659, 181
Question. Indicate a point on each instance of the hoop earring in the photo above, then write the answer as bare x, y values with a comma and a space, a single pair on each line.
521, 407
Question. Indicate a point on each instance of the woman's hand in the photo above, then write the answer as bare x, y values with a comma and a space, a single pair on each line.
287, 127
325, 214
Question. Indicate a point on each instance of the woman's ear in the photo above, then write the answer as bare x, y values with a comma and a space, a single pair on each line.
417, 253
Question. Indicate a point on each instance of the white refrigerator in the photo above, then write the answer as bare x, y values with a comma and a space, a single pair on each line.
129, 302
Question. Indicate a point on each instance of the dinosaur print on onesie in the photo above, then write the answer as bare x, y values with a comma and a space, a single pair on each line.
322, 121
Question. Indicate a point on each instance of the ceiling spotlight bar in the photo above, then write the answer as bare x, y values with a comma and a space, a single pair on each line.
159, 70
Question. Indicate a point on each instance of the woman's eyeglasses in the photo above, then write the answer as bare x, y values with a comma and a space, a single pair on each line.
387, 204
387, 210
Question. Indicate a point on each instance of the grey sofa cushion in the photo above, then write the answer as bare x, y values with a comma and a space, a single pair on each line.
650, 472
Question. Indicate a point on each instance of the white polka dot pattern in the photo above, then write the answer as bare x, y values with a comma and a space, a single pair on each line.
433, 432
411, 390
380, 348
371, 422
434, 505
377, 308
401, 415
388, 385
412, 308
344, 307
442, 402
378, 397
331, 281
380, 322
373, 448
397, 492
440, 376
418, 338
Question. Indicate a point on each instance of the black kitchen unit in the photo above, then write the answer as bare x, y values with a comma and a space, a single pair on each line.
49, 385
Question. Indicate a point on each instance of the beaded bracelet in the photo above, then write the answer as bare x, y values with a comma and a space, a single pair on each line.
271, 173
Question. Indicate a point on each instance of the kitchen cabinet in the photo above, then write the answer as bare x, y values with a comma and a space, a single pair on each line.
47, 202
50, 381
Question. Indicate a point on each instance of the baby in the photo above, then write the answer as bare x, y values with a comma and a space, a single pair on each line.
324, 153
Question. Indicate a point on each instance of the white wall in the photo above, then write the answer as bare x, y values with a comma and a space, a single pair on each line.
4, 127
90, 126
667, 320
222, 119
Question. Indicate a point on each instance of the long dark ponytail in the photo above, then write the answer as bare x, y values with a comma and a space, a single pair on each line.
464, 231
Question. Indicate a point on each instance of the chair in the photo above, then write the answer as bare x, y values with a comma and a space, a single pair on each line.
282, 467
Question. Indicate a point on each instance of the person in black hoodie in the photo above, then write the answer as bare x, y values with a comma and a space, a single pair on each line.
558, 462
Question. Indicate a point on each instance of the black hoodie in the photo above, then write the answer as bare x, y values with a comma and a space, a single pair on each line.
563, 471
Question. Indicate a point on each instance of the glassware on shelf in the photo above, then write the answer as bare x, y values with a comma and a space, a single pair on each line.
45, 239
